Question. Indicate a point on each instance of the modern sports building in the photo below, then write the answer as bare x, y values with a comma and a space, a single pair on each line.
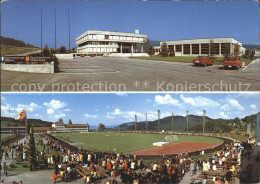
195, 47
106, 42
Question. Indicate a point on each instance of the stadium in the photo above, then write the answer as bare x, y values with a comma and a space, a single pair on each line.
146, 145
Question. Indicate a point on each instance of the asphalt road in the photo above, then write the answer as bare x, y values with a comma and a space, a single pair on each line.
95, 74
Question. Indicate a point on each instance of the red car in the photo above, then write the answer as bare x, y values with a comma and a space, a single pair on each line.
232, 62
203, 60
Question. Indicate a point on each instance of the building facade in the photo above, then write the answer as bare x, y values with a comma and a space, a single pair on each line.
61, 127
106, 42
195, 47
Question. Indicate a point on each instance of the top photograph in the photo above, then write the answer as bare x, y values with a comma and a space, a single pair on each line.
130, 46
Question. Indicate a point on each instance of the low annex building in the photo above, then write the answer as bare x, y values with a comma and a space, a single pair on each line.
195, 47
21, 130
61, 127
106, 42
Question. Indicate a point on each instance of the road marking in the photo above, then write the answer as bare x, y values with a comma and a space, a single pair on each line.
249, 64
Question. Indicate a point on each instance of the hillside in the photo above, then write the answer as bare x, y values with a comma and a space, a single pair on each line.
14, 42
7, 121
251, 47
179, 123
195, 124
13, 46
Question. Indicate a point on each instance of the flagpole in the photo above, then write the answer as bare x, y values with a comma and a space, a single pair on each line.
26, 127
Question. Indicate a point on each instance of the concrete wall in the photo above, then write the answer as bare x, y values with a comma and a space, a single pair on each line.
34, 68
64, 56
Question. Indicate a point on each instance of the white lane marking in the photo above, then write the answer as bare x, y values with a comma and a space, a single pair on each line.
249, 64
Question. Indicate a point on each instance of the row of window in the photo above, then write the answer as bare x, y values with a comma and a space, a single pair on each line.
110, 37
194, 48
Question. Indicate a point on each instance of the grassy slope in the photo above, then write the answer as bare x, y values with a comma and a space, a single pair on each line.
124, 142
187, 59
7, 50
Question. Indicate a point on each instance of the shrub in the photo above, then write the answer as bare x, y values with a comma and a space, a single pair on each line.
151, 51
164, 50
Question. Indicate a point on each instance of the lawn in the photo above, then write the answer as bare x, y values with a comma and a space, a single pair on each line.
124, 142
7, 50
187, 59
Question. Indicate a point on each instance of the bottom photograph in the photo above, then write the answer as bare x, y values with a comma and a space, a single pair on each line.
130, 138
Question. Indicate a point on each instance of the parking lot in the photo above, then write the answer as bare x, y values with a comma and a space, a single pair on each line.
84, 74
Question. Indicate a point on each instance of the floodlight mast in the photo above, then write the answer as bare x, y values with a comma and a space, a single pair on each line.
158, 121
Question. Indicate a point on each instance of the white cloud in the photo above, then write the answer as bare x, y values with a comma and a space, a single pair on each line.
223, 115
91, 116
121, 94
166, 99
199, 101
50, 111
3, 99
231, 105
56, 109
253, 106
55, 104
37, 115
59, 115
8, 110
29, 108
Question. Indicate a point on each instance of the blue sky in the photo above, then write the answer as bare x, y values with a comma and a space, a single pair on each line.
159, 20
113, 109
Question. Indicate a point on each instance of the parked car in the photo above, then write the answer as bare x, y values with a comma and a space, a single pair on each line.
232, 62
203, 60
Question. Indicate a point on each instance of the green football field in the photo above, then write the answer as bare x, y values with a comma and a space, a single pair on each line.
124, 142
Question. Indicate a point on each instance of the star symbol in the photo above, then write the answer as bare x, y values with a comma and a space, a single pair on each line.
145, 84
136, 84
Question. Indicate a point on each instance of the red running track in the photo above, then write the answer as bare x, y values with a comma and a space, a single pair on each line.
175, 148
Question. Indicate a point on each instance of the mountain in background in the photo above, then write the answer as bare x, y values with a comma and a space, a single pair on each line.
14, 42
195, 124
251, 47
9, 122
179, 123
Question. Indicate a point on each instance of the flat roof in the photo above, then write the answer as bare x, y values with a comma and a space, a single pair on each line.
109, 32
205, 40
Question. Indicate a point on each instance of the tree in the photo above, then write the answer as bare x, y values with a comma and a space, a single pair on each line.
252, 55
32, 151
226, 51
70, 122
211, 48
62, 50
237, 49
151, 51
61, 120
101, 127
46, 52
52, 51
164, 50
